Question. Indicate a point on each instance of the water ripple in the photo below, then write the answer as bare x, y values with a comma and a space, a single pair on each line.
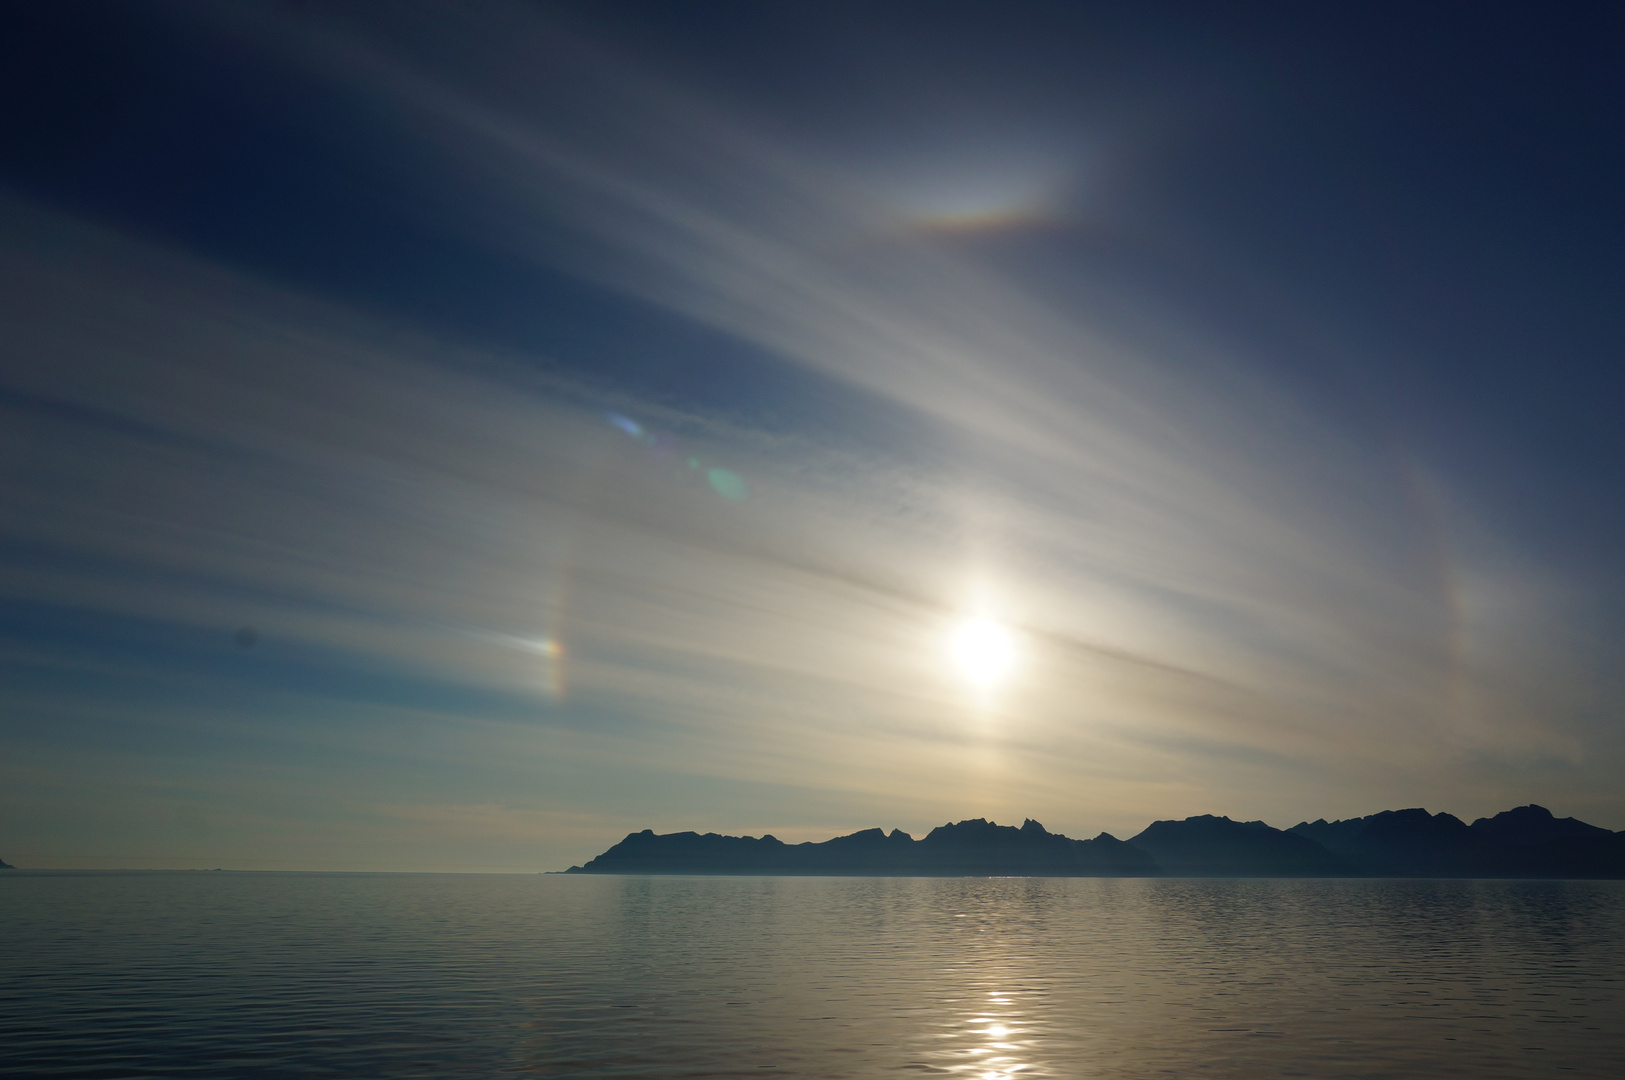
259, 975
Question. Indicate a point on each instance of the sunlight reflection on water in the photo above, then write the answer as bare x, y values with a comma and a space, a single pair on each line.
419, 975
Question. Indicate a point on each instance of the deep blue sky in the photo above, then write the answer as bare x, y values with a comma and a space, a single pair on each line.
1272, 346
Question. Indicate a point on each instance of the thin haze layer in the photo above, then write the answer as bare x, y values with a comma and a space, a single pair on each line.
292, 582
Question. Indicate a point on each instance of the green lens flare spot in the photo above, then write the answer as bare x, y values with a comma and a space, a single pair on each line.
727, 484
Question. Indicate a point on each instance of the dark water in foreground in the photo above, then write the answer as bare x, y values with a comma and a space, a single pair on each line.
248, 975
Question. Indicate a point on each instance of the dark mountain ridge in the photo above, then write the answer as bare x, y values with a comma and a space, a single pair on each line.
969, 848
1205, 846
1524, 842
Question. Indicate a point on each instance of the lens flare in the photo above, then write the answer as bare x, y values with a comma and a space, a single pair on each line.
728, 484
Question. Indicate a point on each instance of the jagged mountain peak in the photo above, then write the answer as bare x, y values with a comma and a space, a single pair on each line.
1531, 825
1527, 841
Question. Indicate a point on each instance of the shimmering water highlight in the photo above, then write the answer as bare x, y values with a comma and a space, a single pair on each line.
220, 974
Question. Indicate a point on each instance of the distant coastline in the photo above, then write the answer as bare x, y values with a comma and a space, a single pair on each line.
1526, 842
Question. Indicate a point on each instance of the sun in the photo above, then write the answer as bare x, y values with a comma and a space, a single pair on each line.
982, 650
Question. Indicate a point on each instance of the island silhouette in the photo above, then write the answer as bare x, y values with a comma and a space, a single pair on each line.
1524, 842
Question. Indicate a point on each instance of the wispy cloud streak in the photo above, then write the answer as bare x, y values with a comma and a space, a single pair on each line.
1223, 600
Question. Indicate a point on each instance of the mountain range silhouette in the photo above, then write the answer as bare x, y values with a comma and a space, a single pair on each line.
1525, 842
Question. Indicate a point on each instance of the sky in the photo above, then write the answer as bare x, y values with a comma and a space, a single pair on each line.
450, 437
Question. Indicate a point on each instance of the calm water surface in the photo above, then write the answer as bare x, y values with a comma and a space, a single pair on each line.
220, 974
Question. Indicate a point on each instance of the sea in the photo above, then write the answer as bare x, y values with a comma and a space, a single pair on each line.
419, 975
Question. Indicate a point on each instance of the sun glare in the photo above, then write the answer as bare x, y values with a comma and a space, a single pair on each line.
983, 650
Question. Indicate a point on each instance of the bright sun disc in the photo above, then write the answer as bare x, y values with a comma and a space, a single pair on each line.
983, 651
